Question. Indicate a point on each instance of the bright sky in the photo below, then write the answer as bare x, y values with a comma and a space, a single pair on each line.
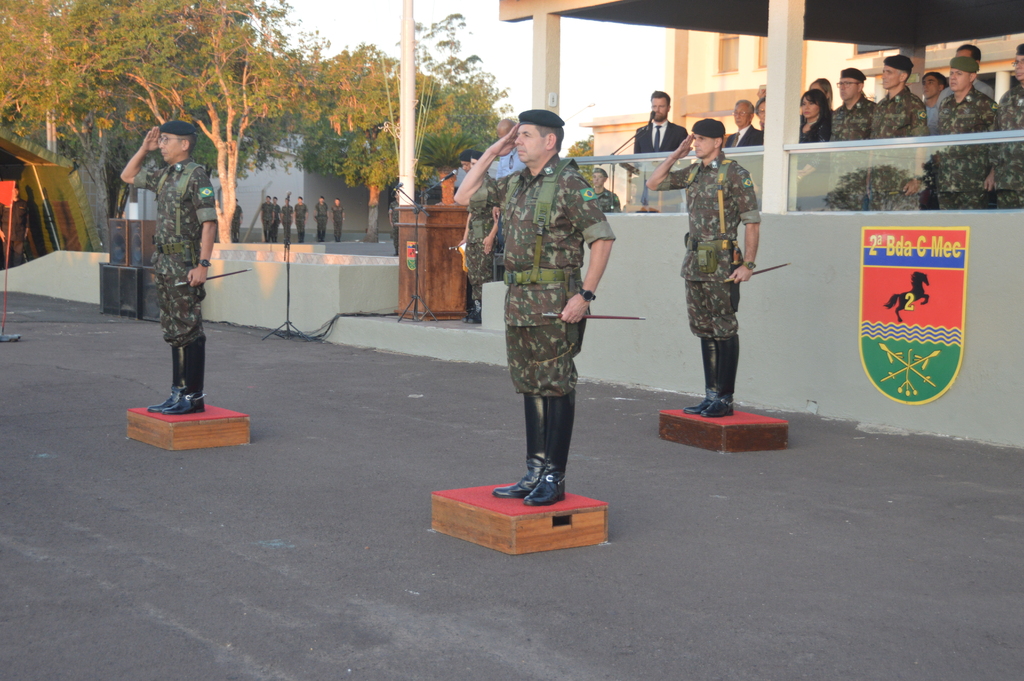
612, 66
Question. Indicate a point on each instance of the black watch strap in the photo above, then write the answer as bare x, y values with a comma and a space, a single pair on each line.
204, 263
587, 295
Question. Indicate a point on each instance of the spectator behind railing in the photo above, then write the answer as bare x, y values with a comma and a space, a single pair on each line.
759, 109
852, 118
1007, 174
961, 170
746, 135
817, 127
824, 86
974, 53
934, 84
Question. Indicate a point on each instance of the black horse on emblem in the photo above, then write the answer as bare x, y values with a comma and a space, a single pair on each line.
916, 294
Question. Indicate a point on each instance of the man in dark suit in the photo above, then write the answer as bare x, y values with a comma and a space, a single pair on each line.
746, 135
659, 134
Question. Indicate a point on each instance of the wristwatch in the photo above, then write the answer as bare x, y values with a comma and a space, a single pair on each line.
204, 263
749, 265
587, 295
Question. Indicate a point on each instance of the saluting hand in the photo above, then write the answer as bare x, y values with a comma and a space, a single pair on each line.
683, 148
506, 143
152, 140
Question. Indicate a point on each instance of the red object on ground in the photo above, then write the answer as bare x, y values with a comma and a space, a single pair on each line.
482, 498
211, 413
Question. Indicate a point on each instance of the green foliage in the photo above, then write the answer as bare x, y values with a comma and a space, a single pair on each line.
441, 149
582, 148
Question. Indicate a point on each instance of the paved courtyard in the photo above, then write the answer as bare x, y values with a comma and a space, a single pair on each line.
308, 554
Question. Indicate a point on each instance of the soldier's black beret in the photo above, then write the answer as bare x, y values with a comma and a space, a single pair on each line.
470, 154
180, 128
901, 62
856, 74
1020, 50
709, 127
542, 117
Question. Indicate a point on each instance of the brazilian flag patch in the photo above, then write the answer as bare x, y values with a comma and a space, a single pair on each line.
747, 182
206, 192
588, 194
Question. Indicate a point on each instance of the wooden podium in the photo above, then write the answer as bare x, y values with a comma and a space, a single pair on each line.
442, 281
741, 432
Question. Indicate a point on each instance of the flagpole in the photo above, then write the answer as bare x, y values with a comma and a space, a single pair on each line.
407, 107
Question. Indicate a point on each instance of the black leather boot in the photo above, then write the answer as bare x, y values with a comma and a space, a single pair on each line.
561, 414
728, 361
193, 370
534, 410
709, 353
475, 314
177, 384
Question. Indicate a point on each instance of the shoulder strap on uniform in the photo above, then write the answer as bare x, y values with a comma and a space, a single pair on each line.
721, 199
693, 173
542, 211
186, 175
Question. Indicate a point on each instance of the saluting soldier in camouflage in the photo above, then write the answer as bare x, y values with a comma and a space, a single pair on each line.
1007, 158
961, 170
286, 219
481, 231
713, 268
852, 119
338, 216
236, 224
607, 201
900, 113
549, 215
320, 215
301, 210
267, 218
186, 226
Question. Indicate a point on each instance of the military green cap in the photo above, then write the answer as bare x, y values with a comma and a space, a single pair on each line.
965, 64
180, 128
709, 127
542, 117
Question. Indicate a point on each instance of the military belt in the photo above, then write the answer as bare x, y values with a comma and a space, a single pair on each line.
545, 276
720, 244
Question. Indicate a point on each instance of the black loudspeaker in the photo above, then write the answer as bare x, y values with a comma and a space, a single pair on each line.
150, 308
120, 290
140, 238
117, 241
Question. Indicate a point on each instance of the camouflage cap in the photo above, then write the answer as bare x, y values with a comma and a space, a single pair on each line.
542, 117
709, 127
180, 128
965, 64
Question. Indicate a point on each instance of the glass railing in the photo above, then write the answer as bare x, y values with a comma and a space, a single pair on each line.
911, 173
627, 176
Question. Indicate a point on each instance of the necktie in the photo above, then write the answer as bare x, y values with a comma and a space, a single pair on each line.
657, 138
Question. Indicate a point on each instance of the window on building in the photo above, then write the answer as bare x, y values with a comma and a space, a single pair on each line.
762, 53
728, 52
864, 49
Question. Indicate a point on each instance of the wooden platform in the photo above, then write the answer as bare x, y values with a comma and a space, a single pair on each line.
741, 432
508, 526
214, 427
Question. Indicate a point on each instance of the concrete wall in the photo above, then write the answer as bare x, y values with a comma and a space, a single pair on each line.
71, 275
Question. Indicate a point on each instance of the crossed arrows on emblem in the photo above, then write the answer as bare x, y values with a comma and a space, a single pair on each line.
909, 365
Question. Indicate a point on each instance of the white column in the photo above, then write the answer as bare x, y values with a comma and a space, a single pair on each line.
1002, 84
677, 49
547, 37
407, 107
782, 106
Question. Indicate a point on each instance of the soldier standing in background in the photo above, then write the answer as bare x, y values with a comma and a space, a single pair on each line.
961, 170
186, 225
338, 215
549, 214
894, 183
276, 222
300, 219
320, 215
15, 220
1007, 175
852, 118
713, 267
236, 224
286, 219
481, 231
607, 201
267, 218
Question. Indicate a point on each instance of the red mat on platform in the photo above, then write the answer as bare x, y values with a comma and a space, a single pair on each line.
211, 414
482, 497
738, 418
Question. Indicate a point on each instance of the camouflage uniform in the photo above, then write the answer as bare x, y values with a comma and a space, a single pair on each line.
393, 217
267, 218
338, 215
853, 124
301, 210
608, 202
961, 170
541, 349
904, 115
481, 220
286, 221
236, 225
181, 317
709, 303
1008, 157
275, 223
320, 215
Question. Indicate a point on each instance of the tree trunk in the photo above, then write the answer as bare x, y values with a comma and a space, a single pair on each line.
371, 226
447, 187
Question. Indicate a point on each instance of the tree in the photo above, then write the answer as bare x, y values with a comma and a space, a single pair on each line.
441, 151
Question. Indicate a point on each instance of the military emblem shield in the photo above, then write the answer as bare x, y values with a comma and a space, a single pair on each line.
410, 254
913, 291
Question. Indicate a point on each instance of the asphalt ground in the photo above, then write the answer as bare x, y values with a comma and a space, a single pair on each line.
308, 554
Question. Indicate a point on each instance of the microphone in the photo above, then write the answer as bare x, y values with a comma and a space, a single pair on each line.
399, 185
451, 174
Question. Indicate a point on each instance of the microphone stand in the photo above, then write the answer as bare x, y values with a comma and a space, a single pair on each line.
288, 330
414, 303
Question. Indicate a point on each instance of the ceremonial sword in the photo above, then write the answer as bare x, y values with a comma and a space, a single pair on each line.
217, 276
